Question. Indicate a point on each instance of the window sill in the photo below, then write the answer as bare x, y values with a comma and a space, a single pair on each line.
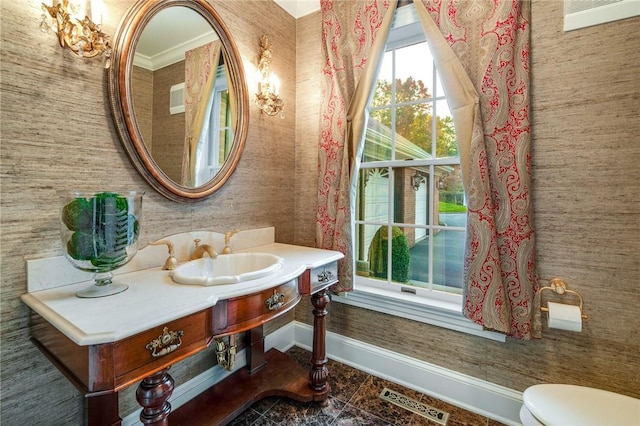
429, 311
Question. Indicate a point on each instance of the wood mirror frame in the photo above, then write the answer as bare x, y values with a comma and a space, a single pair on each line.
120, 97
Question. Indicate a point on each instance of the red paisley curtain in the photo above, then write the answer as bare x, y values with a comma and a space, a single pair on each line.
353, 37
489, 42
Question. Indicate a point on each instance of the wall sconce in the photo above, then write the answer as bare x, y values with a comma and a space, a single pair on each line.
416, 181
267, 97
72, 23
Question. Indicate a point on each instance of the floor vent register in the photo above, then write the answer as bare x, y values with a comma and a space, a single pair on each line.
417, 407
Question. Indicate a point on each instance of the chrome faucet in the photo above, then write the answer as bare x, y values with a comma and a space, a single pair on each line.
200, 250
227, 239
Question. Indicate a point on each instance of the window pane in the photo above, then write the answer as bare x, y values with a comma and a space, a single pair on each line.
382, 92
373, 195
370, 253
413, 132
448, 198
411, 195
377, 144
383, 117
419, 266
400, 255
414, 73
446, 142
448, 259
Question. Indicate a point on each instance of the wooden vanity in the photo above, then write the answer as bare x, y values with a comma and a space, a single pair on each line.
101, 370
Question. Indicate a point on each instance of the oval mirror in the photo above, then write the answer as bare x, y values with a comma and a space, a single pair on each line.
178, 96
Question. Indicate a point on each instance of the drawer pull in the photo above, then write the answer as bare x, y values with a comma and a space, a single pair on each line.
166, 343
275, 301
325, 276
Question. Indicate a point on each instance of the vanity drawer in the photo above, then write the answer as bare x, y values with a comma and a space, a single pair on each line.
324, 275
246, 312
159, 346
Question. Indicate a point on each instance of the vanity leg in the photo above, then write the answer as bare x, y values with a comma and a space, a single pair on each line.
319, 373
152, 394
102, 410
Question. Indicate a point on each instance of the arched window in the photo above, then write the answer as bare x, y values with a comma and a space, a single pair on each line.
410, 211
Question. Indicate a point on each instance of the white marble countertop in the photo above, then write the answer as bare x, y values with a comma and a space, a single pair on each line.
153, 298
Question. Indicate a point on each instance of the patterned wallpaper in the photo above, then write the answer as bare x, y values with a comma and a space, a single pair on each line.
57, 133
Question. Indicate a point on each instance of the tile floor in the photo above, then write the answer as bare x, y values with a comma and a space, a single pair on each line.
354, 401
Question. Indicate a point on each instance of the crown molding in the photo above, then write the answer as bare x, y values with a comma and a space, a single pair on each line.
299, 8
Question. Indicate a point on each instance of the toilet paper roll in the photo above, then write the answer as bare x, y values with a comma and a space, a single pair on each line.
565, 317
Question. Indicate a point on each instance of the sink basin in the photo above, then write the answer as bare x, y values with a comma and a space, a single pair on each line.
227, 269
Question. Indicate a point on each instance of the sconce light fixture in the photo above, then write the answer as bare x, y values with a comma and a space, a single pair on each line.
267, 97
71, 21
416, 181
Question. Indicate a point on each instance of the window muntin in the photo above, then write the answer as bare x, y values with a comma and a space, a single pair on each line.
410, 212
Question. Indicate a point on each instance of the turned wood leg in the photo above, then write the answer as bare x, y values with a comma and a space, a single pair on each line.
319, 373
102, 410
152, 394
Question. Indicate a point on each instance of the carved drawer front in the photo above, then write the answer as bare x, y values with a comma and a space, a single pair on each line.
246, 312
160, 346
324, 275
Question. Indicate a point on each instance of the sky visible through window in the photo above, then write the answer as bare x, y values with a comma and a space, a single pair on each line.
415, 61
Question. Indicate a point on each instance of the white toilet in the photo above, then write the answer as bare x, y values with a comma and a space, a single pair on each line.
569, 405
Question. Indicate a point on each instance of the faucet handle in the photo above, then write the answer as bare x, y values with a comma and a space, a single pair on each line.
171, 262
229, 234
227, 239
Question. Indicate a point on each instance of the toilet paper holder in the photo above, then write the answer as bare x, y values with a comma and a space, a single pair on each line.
558, 286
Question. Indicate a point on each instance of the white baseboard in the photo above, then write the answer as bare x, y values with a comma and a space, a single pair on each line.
479, 396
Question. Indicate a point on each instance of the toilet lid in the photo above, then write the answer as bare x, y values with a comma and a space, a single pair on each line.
564, 405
